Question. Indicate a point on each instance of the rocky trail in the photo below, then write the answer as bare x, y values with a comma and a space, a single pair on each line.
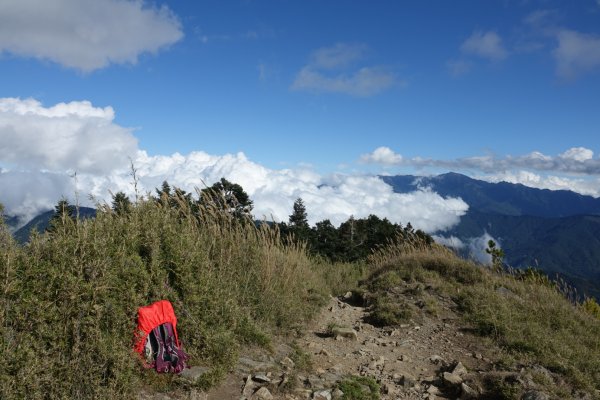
429, 359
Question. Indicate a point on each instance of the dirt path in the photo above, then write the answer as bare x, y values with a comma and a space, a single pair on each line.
412, 361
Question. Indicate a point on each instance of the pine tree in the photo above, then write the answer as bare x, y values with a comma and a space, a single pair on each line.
228, 196
299, 218
121, 203
497, 254
63, 213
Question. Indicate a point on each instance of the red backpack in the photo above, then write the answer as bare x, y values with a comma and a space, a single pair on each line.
156, 338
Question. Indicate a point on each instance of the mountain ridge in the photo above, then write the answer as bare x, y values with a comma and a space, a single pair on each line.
559, 235
500, 198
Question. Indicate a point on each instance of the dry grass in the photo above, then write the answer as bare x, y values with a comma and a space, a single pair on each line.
530, 319
69, 299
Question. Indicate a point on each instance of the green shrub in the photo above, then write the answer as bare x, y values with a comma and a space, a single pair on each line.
359, 388
591, 307
385, 311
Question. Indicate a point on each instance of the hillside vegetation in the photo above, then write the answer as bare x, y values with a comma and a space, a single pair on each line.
69, 299
523, 313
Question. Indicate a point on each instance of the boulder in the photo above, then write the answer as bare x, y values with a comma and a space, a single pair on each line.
452, 379
346, 333
262, 394
193, 374
322, 395
459, 369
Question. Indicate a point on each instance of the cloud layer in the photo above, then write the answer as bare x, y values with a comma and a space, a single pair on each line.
68, 136
473, 248
576, 160
329, 70
41, 147
575, 169
85, 34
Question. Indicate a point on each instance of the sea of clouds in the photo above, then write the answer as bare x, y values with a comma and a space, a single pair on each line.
77, 151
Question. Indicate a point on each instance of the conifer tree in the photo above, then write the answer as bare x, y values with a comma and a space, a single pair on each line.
121, 203
299, 218
228, 196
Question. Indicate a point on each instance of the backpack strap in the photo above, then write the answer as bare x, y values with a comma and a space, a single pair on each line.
177, 356
162, 362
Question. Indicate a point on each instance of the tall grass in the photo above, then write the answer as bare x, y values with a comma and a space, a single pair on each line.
69, 298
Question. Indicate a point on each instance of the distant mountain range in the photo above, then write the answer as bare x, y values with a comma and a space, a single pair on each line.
556, 231
40, 223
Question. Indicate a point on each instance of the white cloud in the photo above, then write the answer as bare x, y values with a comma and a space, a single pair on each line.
588, 186
335, 197
25, 194
340, 55
86, 34
576, 160
382, 155
486, 45
72, 136
364, 82
576, 53
78, 136
474, 247
451, 241
327, 72
576, 169
580, 154
477, 246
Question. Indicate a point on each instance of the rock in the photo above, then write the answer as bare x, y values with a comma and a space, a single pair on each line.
337, 394
288, 363
477, 356
459, 369
248, 387
534, 395
452, 379
283, 381
467, 393
194, 373
405, 358
315, 382
248, 365
324, 352
388, 389
347, 333
330, 379
379, 362
262, 378
322, 395
262, 394
347, 296
433, 390
303, 393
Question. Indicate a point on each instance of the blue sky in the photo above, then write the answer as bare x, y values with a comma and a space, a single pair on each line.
505, 89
